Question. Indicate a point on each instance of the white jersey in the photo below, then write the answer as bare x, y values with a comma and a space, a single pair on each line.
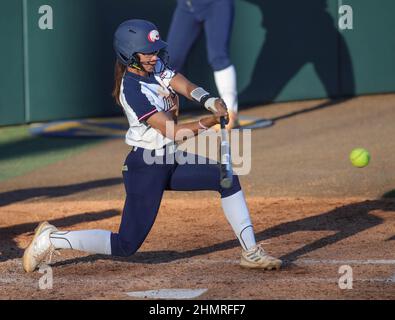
141, 97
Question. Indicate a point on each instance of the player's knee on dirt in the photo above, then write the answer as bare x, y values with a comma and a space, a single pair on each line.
127, 250
122, 248
232, 190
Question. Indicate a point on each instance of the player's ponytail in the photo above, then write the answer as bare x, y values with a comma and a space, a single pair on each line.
119, 71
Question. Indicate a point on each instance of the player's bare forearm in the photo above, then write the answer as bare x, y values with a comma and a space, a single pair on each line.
191, 91
182, 85
179, 132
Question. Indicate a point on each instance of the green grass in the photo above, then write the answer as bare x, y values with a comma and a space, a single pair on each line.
21, 153
11, 134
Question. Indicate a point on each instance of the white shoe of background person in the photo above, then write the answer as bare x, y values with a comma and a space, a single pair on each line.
40, 247
257, 258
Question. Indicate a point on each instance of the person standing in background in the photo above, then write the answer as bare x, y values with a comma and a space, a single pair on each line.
216, 18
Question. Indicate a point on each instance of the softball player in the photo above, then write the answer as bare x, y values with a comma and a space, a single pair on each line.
145, 88
216, 18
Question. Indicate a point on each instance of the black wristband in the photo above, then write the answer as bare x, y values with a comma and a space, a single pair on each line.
204, 99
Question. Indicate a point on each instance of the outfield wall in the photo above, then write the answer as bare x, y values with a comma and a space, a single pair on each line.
283, 50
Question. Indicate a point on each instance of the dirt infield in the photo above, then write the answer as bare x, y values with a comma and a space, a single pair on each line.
308, 204
188, 249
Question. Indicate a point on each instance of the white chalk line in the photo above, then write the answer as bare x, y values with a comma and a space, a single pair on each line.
297, 262
349, 262
17, 278
59, 281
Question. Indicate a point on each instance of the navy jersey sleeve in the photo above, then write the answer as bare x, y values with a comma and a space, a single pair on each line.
138, 101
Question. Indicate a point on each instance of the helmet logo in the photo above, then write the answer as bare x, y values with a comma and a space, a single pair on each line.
153, 36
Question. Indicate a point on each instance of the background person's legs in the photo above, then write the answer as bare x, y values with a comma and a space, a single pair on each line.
218, 29
183, 32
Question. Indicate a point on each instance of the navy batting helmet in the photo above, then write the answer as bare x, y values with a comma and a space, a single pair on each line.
136, 36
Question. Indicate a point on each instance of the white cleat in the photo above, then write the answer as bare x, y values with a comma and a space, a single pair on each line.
39, 248
257, 258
